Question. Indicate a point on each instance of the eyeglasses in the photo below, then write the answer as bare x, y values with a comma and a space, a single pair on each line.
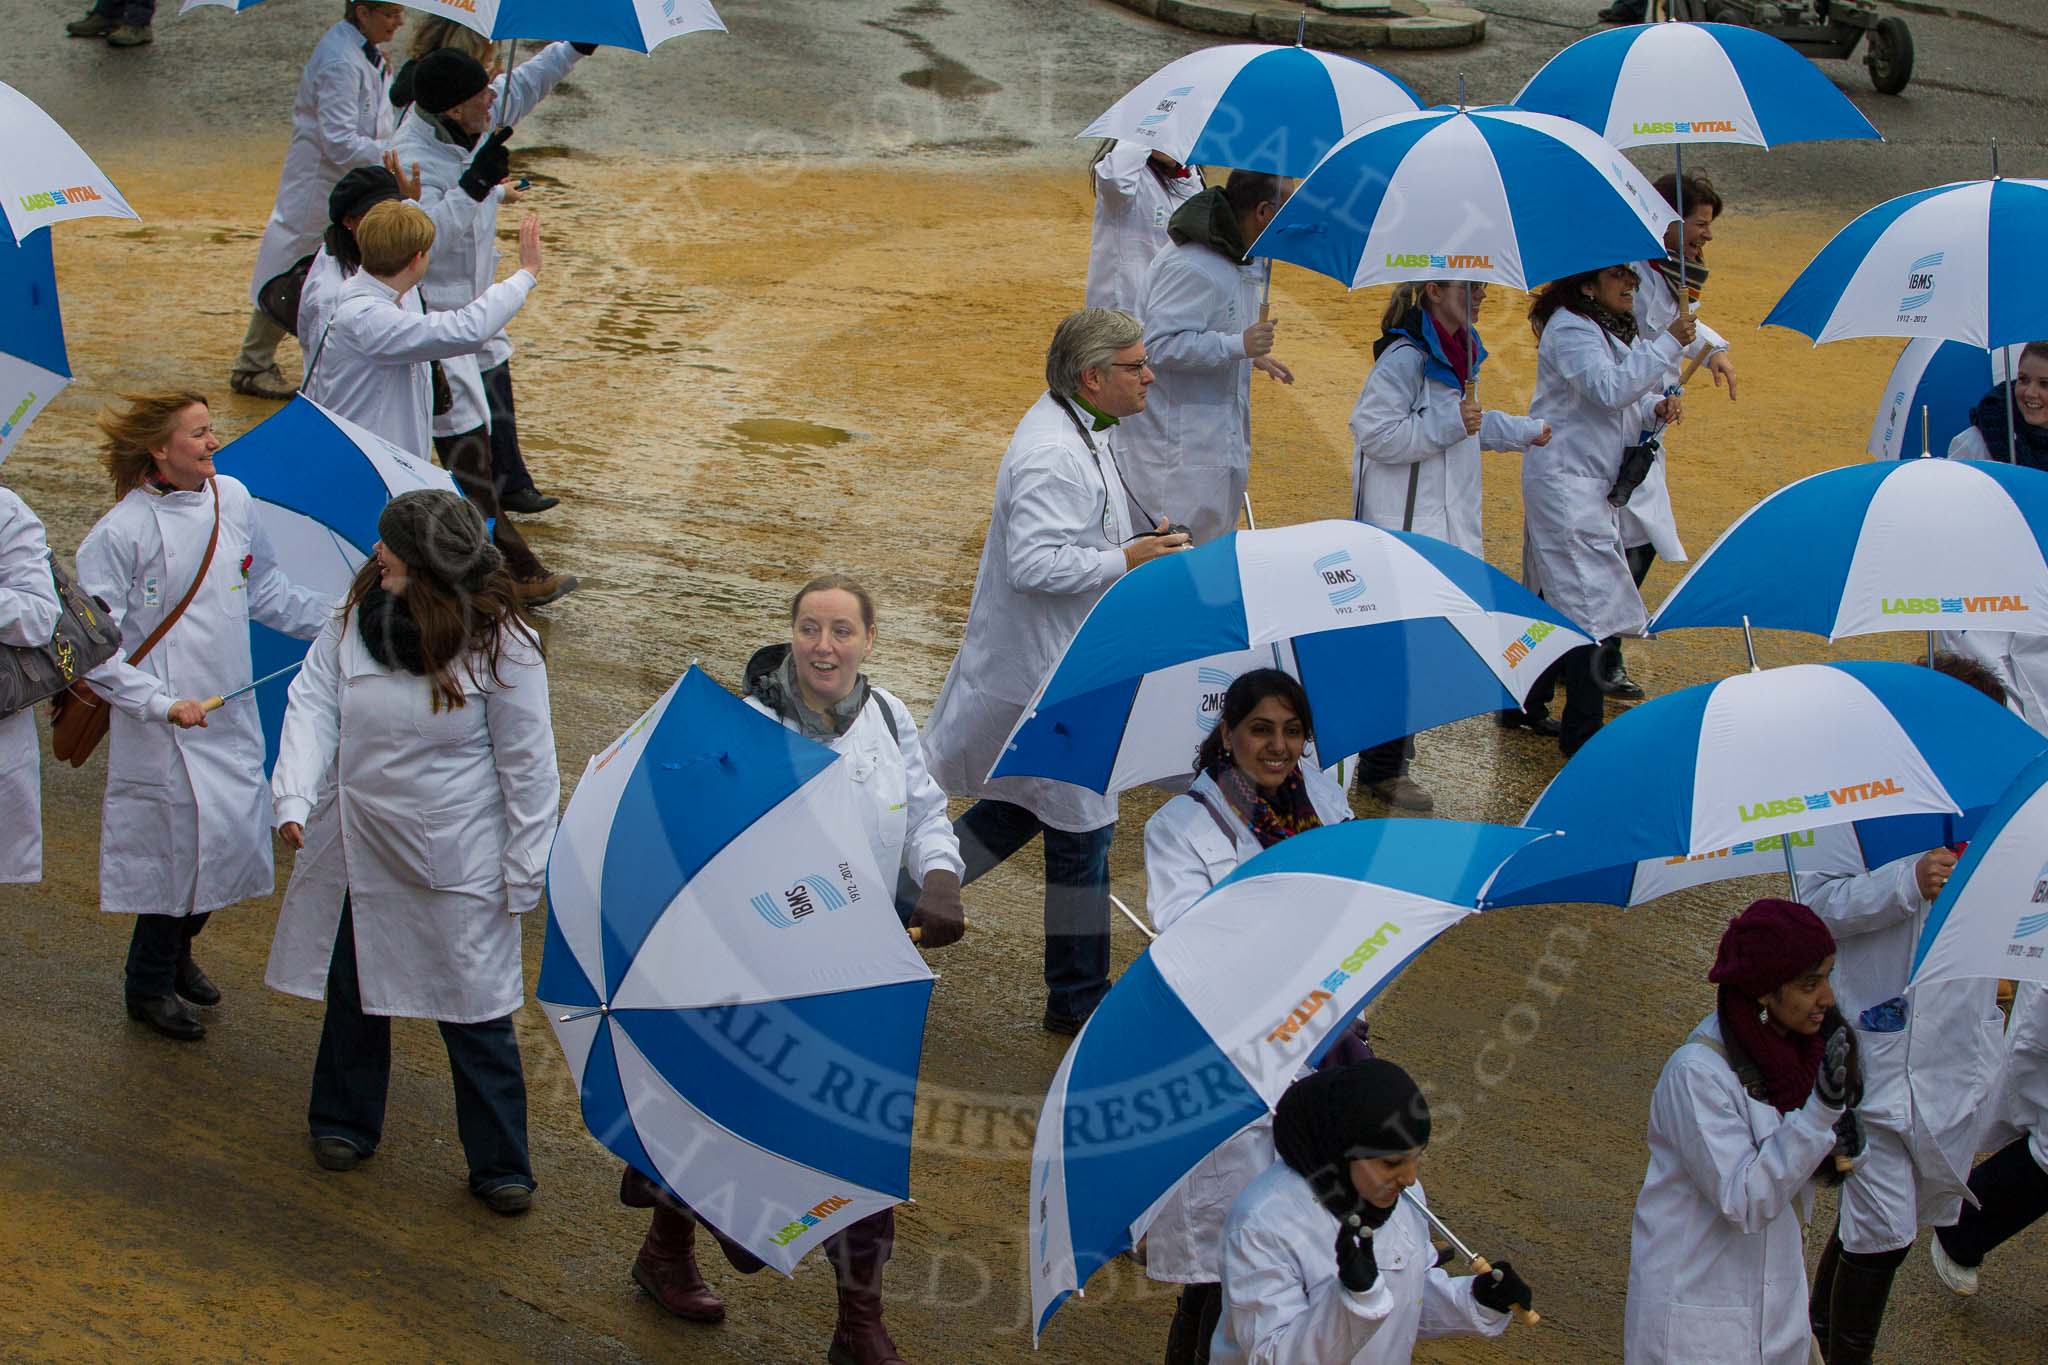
1132, 365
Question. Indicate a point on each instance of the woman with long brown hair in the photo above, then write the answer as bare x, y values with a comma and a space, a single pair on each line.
417, 776
185, 809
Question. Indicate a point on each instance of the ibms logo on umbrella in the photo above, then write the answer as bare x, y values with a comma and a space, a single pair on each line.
1519, 647
1340, 581
1210, 685
1919, 288
805, 897
1149, 124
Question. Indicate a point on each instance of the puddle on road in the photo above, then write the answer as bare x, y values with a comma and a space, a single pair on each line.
768, 432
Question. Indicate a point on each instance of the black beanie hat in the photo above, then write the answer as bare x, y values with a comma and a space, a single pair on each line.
1329, 1119
359, 191
445, 78
442, 533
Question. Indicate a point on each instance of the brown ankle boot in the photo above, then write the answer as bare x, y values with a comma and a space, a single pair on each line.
667, 1269
858, 1255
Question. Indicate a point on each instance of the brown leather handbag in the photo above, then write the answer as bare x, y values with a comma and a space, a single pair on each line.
79, 716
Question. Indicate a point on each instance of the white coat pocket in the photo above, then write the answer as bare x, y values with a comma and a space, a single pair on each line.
1882, 1059
464, 845
1724, 1335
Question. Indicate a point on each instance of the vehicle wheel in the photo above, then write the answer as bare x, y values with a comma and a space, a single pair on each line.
1890, 56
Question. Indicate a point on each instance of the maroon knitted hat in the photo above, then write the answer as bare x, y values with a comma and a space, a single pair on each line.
1769, 944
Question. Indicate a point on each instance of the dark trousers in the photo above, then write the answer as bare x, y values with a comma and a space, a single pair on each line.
1076, 896
1584, 706
1640, 558
1385, 762
508, 465
2012, 1190
158, 945
467, 459
1195, 1314
352, 1076
136, 12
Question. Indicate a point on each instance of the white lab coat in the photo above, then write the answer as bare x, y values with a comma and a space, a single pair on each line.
1187, 853
1133, 204
904, 812
1188, 455
186, 820
372, 366
1053, 548
1407, 426
2019, 661
1648, 520
2026, 1068
464, 262
317, 297
438, 835
28, 616
1598, 397
341, 119
1283, 1303
1717, 1259
1930, 1083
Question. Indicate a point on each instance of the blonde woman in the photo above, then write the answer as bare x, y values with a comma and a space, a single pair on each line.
184, 825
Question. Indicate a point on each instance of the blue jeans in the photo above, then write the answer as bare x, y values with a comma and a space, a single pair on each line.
353, 1074
1076, 896
155, 949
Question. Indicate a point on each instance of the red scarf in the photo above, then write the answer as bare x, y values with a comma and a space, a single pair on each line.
1457, 348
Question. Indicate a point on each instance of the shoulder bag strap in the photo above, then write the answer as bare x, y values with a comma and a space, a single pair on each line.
1221, 822
319, 350
164, 626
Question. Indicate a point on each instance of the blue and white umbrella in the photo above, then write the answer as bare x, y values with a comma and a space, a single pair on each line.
1676, 83
639, 25
1906, 754
1899, 545
1253, 107
1960, 262
1497, 195
33, 365
1389, 632
1991, 920
319, 482
1199, 1036
724, 969
1930, 393
45, 176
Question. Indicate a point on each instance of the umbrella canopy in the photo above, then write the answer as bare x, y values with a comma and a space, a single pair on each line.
641, 25
724, 969
1938, 382
1958, 261
1199, 1037
1253, 107
1991, 920
33, 365
319, 483
1496, 195
45, 177
1389, 632
1659, 84
1902, 545
1903, 752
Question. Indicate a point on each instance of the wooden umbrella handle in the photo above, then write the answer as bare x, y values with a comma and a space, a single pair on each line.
212, 704
1528, 1317
917, 930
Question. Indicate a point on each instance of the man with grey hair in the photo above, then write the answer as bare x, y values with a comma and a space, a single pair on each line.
1192, 447
1064, 529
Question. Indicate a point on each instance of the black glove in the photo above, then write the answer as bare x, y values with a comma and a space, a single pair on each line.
1849, 1142
585, 48
491, 164
1355, 1264
1503, 1289
939, 917
1837, 1062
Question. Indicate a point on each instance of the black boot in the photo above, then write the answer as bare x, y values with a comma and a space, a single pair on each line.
194, 985
1863, 1284
168, 1015
2013, 1191
1194, 1324
1818, 1303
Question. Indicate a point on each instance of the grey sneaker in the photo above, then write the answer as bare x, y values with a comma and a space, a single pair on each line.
1402, 793
1961, 1279
269, 383
93, 25
129, 35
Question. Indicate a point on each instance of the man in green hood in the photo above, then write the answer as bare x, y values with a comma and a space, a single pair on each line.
1190, 449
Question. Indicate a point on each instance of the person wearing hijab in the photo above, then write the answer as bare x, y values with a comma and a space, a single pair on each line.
1323, 1261
814, 685
416, 777
1251, 791
1745, 1113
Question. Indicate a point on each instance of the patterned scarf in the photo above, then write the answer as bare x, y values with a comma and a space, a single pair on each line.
1282, 815
1695, 277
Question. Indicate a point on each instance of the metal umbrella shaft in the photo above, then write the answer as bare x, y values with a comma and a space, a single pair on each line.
1480, 1265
